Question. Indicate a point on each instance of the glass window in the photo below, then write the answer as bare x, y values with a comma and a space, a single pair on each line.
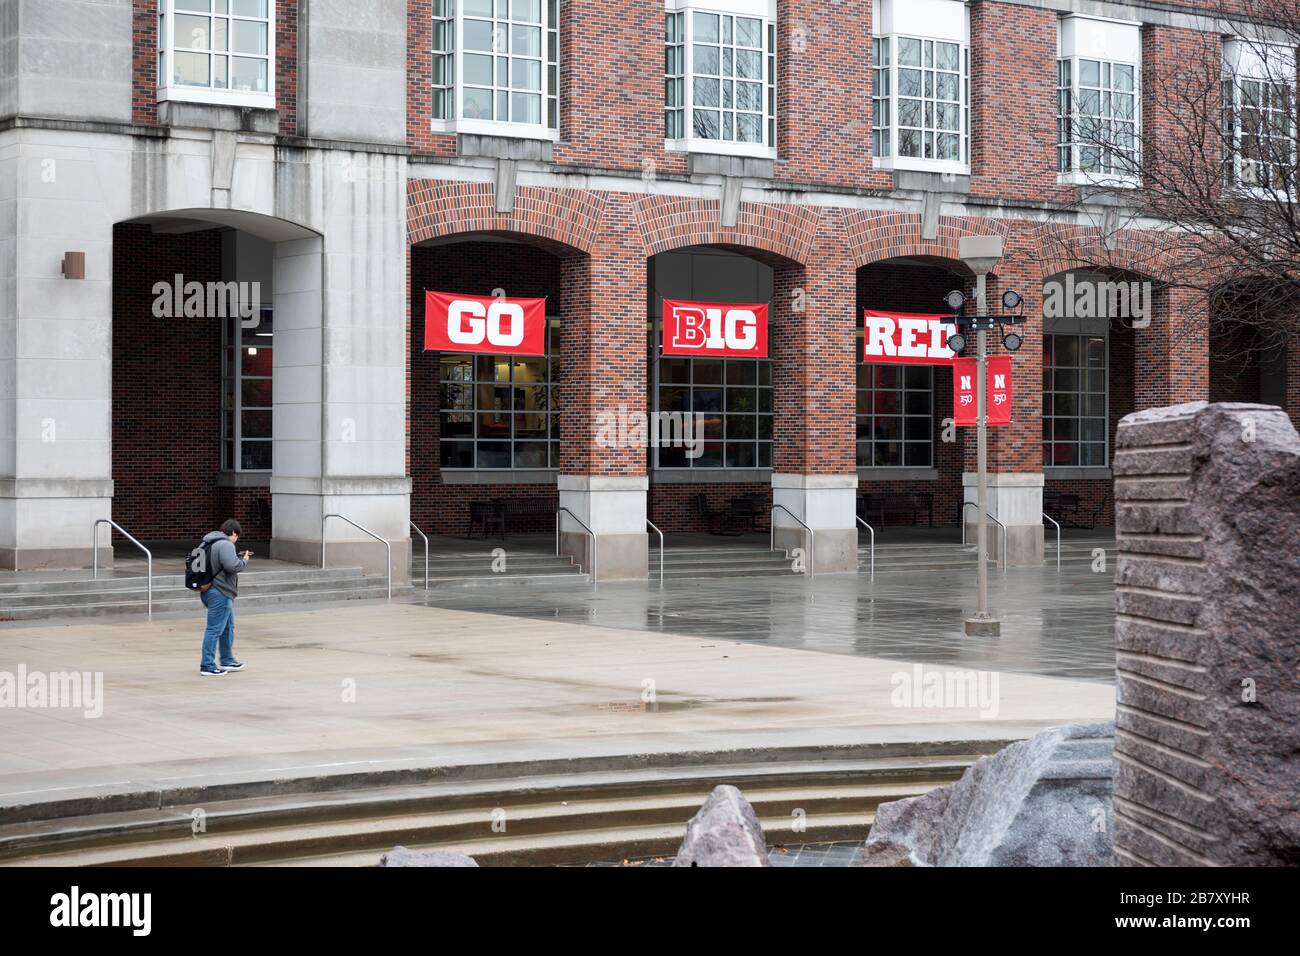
1259, 131
1097, 123
508, 61
720, 77
895, 415
246, 436
1075, 424
729, 399
500, 411
920, 99
216, 44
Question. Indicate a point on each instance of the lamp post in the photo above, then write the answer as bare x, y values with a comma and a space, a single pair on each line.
981, 255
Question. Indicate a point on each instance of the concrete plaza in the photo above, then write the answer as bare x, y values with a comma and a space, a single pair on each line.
371, 684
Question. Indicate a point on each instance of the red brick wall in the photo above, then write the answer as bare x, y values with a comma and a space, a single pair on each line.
167, 396
1013, 101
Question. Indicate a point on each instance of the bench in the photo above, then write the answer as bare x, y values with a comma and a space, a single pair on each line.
1066, 508
718, 520
498, 513
912, 505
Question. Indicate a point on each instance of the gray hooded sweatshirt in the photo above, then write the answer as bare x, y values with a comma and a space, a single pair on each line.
227, 563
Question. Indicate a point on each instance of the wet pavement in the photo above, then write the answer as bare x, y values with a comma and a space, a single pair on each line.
1053, 624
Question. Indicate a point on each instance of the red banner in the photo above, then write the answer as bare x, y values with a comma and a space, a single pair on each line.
714, 328
474, 323
906, 338
997, 394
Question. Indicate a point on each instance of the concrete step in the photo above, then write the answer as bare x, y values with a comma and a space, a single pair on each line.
375, 589
248, 589
160, 581
516, 579
550, 817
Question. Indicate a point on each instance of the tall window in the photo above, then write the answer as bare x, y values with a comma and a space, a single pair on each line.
246, 395
732, 401
720, 78
496, 63
1097, 117
895, 415
217, 51
1075, 430
501, 411
921, 102
1258, 106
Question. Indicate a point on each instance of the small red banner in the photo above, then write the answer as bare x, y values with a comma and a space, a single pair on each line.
997, 395
474, 323
714, 328
906, 338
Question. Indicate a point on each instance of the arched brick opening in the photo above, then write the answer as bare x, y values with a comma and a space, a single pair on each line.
193, 382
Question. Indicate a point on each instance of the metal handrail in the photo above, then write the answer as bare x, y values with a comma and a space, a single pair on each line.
812, 536
661, 550
873, 545
387, 545
566, 511
975, 504
148, 557
1058, 540
426, 551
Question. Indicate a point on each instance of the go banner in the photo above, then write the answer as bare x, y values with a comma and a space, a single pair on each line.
714, 328
965, 401
473, 323
906, 338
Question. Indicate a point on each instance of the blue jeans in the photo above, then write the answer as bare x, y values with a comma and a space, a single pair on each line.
220, 629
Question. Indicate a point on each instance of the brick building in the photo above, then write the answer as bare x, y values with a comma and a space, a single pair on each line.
822, 159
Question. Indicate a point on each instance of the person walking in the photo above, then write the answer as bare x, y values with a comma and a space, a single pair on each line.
219, 599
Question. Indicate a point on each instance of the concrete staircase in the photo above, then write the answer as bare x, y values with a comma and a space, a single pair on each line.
899, 557
35, 600
738, 562
476, 569
612, 810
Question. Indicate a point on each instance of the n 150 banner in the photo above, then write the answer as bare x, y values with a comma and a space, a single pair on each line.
474, 323
906, 338
714, 328
965, 401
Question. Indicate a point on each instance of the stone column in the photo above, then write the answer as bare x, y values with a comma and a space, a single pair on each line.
340, 366
1207, 513
604, 482
814, 370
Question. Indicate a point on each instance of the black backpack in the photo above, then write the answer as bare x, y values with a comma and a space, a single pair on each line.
199, 572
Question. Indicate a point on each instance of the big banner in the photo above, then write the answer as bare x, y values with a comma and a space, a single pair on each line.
906, 338
473, 323
714, 328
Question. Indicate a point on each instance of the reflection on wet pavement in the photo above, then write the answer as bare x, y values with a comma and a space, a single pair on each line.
1059, 625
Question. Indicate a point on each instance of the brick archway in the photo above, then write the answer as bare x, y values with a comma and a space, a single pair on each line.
563, 220
875, 236
785, 235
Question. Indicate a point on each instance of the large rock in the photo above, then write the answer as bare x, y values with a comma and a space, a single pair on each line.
401, 856
1207, 508
1045, 801
724, 833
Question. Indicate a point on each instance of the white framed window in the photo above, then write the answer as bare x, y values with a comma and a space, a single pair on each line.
496, 67
1098, 101
720, 76
217, 51
1258, 116
920, 94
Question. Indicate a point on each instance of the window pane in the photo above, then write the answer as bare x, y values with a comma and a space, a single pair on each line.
248, 36
190, 69
706, 27
478, 69
526, 41
256, 455
248, 8
909, 52
525, 108
477, 35
248, 75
